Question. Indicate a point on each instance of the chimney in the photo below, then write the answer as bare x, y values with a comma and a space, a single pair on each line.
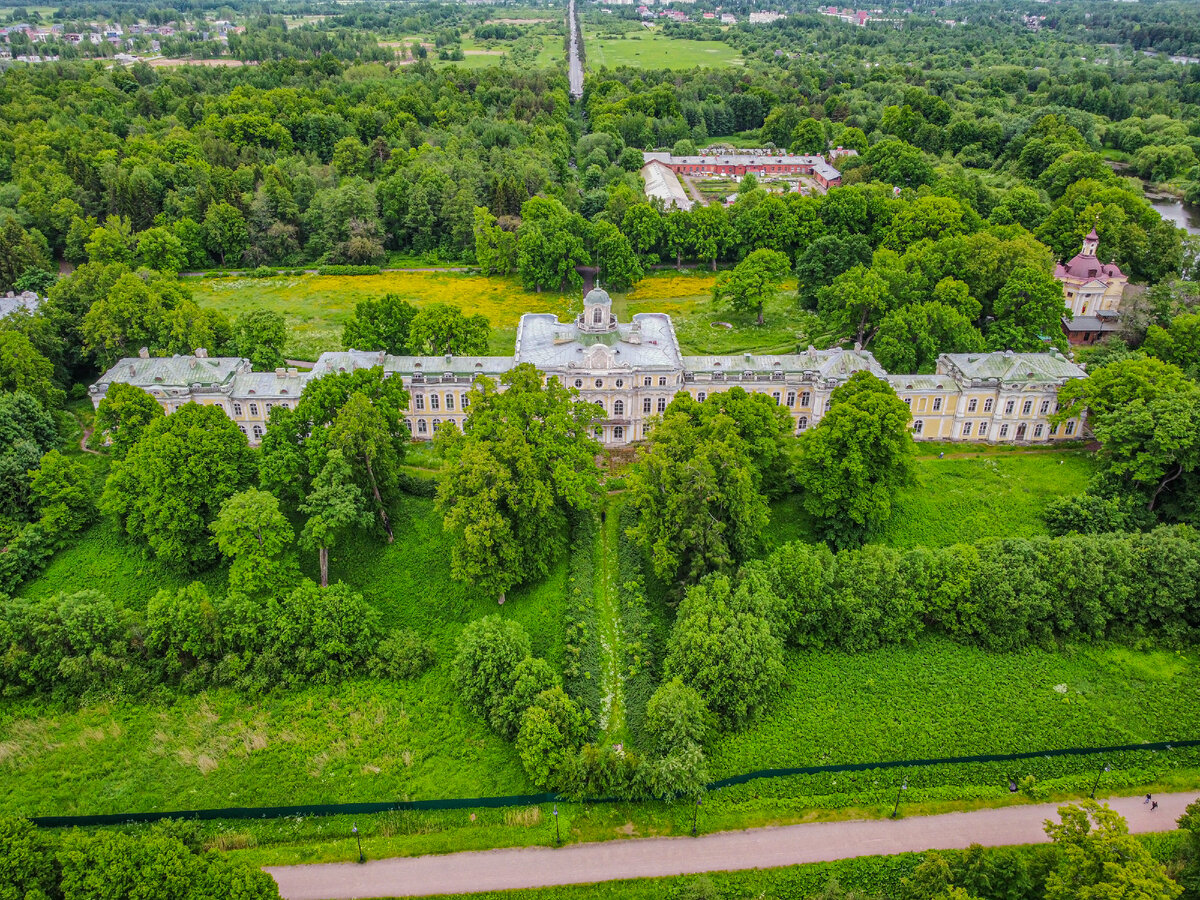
280, 371
201, 353
449, 356
292, 373
132, 370
144, 353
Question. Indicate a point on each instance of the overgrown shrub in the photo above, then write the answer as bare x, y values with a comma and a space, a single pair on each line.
1001, 595
582, 673
485, 667
349, 270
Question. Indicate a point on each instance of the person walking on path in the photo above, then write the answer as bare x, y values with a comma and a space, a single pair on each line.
1147, 800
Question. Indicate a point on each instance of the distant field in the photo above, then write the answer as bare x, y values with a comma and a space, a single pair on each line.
963, 499
317, 306
652, 50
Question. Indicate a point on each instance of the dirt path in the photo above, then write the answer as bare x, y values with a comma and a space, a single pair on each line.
497, 870
693, 190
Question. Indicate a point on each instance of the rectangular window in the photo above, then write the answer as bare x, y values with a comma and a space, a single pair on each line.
1027, 407
433, 401
791, 398
1045, 407
987, 405
449, 401
1053, 429
701, 396
1008, 407
254, 409
466, 401
966, 429
662, 380
805, 398
662, 404
237, 409
646, 405
775, 397
972, 405
937, 403
983, 428
908, 402
1004, 430
420, 401
1070, 428
647, 381
1037, 431
918, 426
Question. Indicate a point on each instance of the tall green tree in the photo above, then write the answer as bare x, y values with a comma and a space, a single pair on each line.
252, 532
1099, 859
123, 415
852, 464
23, 368
333, 505
911, 338
754, 281
360, 431
708, 233
261, 336
1146, 415
855, 302
495, 248
612, 252
444, 329
697, 492
170, 486
381, 324
1028, 313
526, 458
225, 232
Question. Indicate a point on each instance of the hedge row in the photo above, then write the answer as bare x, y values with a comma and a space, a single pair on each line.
349, 270
1001, 595
583, 676
640, 639
73, 644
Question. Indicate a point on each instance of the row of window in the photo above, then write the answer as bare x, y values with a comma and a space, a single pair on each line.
980, 429
647, 381
237, 409
257, 432
1009, 406
435, 401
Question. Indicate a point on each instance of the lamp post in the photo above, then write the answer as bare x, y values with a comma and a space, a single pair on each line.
696, 815
361, 858
1096, 783
557, 834
896, 808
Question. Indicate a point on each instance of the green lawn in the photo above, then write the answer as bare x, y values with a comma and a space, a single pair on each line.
961, 499
653, 50
361, 740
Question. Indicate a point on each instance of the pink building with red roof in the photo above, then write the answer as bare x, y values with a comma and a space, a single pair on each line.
1092, 292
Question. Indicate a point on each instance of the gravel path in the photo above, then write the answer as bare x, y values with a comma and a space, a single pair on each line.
529, 867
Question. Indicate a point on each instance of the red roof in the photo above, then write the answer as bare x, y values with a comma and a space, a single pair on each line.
1081, 266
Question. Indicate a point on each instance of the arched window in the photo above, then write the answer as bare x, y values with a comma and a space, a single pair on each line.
598, 315
619, 433
243, 427
436, 423
408, 425
422, 428
618, 407
801, 423
257, 433
918, 426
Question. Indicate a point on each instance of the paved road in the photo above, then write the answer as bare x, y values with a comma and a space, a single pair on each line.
575, 67
529, 867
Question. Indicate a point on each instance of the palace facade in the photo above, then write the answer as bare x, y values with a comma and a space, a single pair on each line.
632, 370
1092, 292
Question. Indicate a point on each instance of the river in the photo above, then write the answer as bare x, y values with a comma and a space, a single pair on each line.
1180, 213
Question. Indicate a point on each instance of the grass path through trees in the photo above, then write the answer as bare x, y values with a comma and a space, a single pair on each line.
609, 621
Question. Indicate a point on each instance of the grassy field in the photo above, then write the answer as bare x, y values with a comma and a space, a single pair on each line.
316, 306
653, 50
362, 740
962, 499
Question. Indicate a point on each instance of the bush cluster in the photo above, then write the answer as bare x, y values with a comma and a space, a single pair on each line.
1000, 595
167, 861
349, 270
72, 644
521, 698
640, 638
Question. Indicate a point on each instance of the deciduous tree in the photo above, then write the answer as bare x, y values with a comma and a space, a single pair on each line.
754, 281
